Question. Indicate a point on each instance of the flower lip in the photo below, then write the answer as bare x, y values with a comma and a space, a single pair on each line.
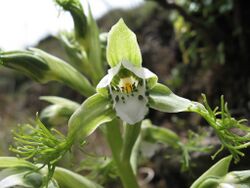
130, 103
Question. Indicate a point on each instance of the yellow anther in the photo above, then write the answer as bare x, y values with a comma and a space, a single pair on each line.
126, 84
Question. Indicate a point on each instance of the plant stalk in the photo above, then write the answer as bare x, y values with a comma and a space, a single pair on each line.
121, 149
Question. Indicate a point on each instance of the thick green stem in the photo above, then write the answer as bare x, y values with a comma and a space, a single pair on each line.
118, 146
131, 134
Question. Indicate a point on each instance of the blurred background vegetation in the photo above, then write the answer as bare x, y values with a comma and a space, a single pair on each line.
194, 46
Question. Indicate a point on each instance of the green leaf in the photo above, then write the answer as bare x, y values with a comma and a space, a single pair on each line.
95, 111
123, 46
60, 101
94, 48
217, 171
84, 51
77, 13
163, 99
60, 111
68, 179
101, 169
43, 67
13, 162
76, 53
156, 134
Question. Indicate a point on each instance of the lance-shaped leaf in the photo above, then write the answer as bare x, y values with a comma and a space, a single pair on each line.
13, 162
156, 134
163, 99
123, 46
66, 178
60, 110
93, 48
217, 171
95, 111
43, 67
77, 13
76, 53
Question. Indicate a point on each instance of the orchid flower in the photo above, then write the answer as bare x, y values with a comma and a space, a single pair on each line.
127, 83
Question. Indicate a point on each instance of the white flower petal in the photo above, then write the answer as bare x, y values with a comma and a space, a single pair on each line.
141, 72
133, 108
114, 70
106, 80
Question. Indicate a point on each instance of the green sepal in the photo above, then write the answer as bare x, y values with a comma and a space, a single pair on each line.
217, 171
122, 46
163, 99
43, 67
95, 111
